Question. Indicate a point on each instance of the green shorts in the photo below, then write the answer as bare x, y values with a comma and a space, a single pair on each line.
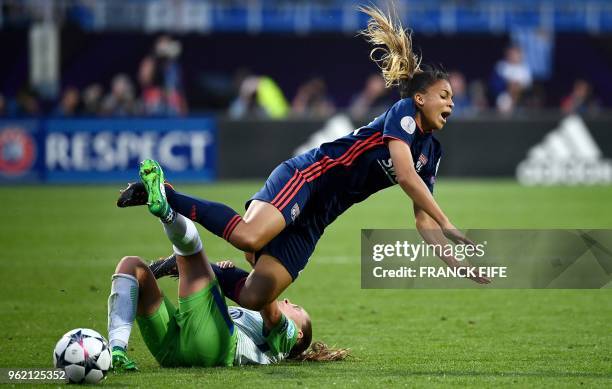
199, 333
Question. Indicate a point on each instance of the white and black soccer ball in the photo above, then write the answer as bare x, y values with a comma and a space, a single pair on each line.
84, 355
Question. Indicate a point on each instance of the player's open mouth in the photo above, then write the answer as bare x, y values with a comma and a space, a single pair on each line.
445, 115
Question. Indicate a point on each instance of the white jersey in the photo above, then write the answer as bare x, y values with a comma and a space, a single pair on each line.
253, 347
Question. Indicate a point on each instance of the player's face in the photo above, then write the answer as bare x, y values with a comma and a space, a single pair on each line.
436, 105
293, 311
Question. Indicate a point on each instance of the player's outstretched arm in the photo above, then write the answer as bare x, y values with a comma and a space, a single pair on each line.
413, 185
432, 234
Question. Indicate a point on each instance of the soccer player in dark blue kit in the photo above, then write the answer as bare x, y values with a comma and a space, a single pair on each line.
303, 195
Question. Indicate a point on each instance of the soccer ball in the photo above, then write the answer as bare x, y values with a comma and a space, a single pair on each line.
84, 355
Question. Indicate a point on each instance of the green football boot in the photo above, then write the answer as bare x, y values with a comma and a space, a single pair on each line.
121, 362
152, 176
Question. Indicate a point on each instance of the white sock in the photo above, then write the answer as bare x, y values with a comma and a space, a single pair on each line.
184, 236
122, 304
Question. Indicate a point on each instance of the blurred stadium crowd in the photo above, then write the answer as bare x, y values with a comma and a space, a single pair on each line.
157, 90
515, 83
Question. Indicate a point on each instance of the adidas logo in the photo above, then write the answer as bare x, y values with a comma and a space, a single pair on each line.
567, 156
336, 127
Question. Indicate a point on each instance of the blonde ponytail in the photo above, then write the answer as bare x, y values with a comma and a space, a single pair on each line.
320, 352
396, 59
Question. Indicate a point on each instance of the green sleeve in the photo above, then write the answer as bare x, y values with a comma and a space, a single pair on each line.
283, 336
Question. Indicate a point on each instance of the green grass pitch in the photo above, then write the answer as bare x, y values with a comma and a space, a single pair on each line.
59, 246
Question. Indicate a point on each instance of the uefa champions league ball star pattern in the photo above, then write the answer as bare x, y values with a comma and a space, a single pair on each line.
84, 355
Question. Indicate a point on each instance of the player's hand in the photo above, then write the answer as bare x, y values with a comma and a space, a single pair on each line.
454, 262
452, 233
480, 280
477, 279
227, 264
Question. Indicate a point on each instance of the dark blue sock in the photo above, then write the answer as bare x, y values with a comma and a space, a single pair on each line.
217, 218
231, 281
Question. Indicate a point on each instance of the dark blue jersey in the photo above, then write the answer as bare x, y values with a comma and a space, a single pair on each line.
313, 189
348, 170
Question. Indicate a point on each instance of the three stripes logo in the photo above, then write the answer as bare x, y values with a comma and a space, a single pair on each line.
314, 171
567, 156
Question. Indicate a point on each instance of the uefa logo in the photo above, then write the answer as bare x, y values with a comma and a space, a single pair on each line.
17, 151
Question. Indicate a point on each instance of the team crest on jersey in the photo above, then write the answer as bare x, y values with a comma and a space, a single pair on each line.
421, 162
17, 151
408, 124
235, 313
295, 211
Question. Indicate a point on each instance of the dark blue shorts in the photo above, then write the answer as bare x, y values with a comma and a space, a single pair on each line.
288, 191
293, 246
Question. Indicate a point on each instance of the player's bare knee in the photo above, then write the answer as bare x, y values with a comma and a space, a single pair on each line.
254, 240
255, 296
129, 265
252, 301
253, 245
247, 240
